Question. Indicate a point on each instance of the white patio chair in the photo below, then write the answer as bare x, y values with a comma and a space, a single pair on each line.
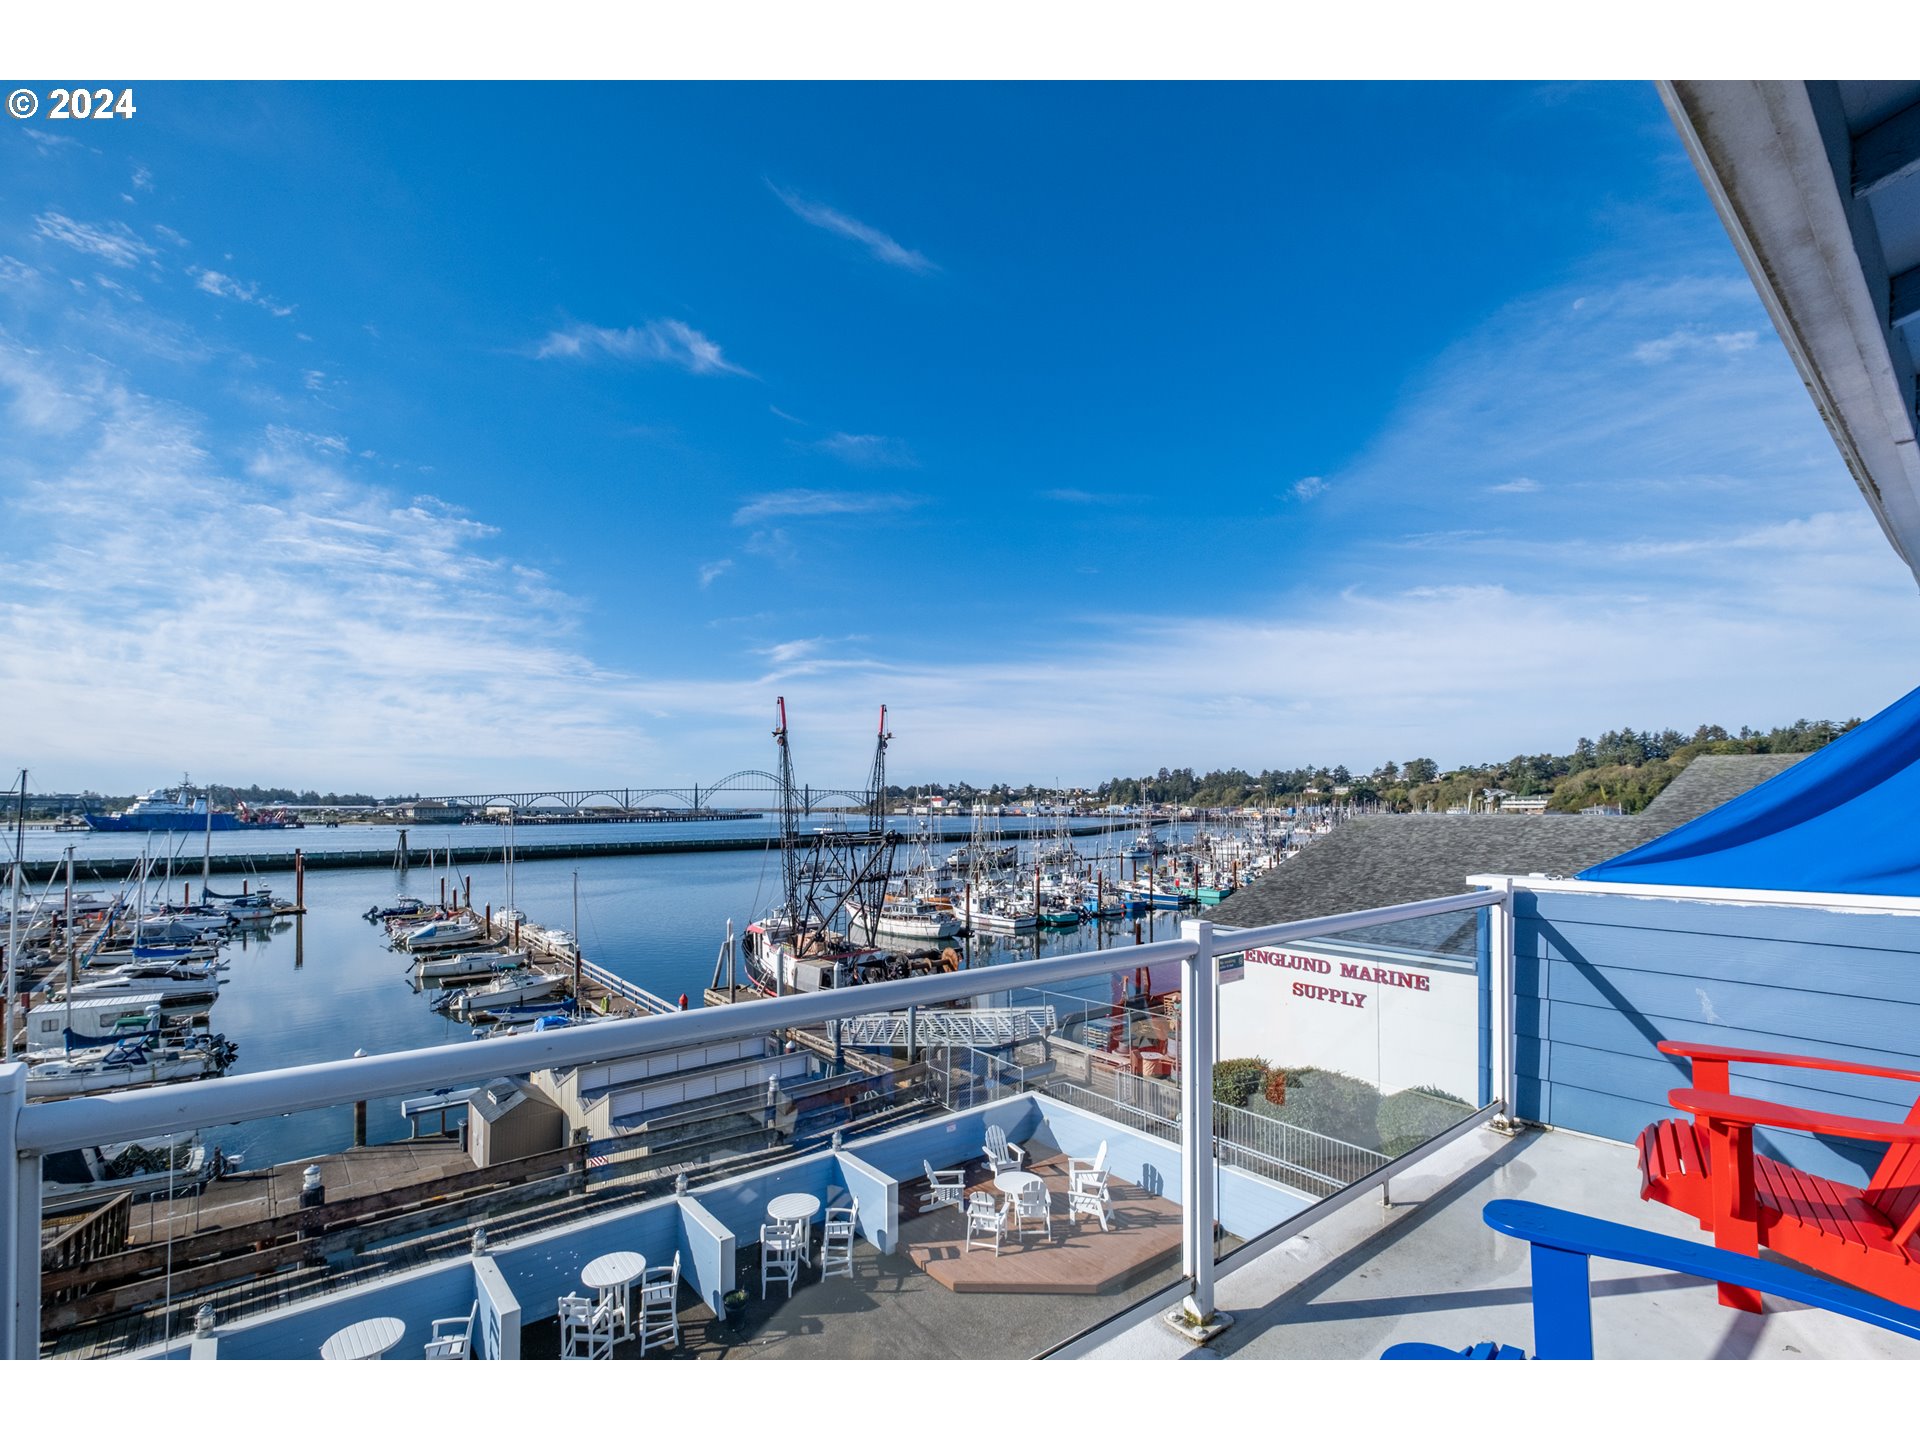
586, 1329
986, 1219
453, 1337
660, 1306
1076, 1167
836, 1241
1031, 1202
1087, 1195
779, 1256
949, 1187
1002, 1155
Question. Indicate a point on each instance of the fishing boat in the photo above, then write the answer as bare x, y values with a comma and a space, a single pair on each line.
1000, 911
405, 906
467, 964
906, 919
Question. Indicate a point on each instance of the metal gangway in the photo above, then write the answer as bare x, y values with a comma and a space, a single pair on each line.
978, 1029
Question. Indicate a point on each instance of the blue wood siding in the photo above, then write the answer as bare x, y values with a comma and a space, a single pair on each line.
1601, 979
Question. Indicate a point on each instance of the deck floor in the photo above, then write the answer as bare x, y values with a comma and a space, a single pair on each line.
262, 1195
1078, 1259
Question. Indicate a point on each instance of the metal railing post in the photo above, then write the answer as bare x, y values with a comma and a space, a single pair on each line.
1500, 1004
20, 1213
1199, 981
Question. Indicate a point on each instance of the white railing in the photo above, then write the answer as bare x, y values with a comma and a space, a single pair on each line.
29, 1132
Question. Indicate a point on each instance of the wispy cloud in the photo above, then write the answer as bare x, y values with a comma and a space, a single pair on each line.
142, 178
246, 291
1309, 487
1072, 496
658, 342
1519, 485
1691, 340
112, 242
874, 452
800, 503
713, 570
791, 419
47, 143
171, 236
881, 246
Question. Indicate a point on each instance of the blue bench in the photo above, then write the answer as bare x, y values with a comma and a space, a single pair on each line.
1562, 1244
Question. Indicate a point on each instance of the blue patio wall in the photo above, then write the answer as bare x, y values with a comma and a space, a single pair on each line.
878, 1195
418, 1298
1601, 979
709, 1253
946, 1140
545, 1266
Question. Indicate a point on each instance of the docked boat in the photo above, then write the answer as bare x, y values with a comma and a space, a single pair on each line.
173, 808
175, 985
510, 989
80, 1179
443, 934
130, 1064
999, 912
402, 908
467, 964
904, 919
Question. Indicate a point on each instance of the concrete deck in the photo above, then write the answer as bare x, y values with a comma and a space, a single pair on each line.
1427, 1268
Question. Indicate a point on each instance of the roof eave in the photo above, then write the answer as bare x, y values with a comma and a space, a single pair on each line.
1759, 150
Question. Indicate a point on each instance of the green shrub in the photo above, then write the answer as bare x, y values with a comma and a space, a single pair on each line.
1237, 1081
1327, 1103
1408, 1118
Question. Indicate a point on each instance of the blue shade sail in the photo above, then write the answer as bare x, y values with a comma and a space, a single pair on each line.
1844, 820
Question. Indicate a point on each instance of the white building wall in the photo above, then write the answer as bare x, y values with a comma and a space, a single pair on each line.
1383, 1017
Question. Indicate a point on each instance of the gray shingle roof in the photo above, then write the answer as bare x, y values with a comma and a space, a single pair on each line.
1390, 859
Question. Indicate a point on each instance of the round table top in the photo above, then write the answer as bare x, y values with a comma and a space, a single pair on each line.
622, 1267
1012, 1182
793, 1207
365, 1339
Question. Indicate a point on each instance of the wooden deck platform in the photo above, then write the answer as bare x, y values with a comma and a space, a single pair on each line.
254, 1196
1080, 1259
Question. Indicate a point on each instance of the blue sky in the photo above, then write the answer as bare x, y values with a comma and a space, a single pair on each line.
390, 436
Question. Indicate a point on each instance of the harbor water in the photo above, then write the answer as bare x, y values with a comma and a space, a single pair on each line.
323, 985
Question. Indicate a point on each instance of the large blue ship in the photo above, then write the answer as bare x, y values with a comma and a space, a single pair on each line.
172, 809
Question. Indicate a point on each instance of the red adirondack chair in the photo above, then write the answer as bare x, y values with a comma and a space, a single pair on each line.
1707, 1167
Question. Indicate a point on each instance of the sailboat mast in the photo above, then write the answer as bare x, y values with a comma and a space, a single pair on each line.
206, 855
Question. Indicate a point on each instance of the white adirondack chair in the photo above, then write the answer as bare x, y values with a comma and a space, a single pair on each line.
586, 1329
1032, 1203
1099, 1163
453, 1338
949, 1187
660, 1306
779, 1256
836, 1241
1001, 1154
1087, 1195
986, 1222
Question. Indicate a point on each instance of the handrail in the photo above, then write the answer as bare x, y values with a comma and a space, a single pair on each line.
1232, 942
133, 1115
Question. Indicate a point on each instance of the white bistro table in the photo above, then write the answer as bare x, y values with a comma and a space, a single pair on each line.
616, 1272
798, 1210
364, 1340
1012, 1182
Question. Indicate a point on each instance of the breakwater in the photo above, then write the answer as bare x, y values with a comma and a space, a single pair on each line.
393, 857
